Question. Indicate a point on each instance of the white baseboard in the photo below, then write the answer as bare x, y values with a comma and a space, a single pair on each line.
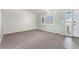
18, 31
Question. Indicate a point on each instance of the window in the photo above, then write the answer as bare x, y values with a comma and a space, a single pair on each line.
68, 14
47, 20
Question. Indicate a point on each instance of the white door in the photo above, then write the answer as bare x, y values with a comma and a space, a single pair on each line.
76, 23
68, 22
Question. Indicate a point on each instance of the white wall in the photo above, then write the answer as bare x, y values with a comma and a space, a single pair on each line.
75, 25
22, 20
58, 22
18, 20
0, 27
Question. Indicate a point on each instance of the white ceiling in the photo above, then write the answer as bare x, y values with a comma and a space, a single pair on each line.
38, 11
44, 11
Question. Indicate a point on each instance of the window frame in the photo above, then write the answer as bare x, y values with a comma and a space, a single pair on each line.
44, 20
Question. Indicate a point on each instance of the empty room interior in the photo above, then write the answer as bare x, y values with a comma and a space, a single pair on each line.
39, 28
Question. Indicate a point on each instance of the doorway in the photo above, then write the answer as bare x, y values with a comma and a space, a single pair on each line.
72, 23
